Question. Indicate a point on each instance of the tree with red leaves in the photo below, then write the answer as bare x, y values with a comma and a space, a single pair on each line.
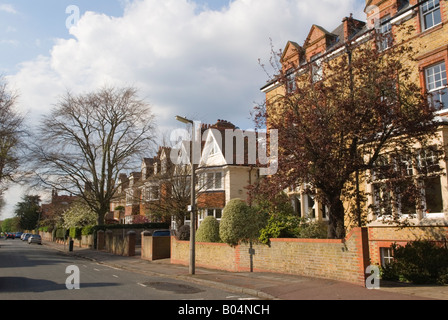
334, 128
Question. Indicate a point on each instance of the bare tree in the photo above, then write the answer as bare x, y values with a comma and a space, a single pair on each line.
176, 195
11, 134
87, 140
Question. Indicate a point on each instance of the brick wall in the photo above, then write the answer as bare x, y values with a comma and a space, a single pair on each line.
208, 255
384, 237
344, 260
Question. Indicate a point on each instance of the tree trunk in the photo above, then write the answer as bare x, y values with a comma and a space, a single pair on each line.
101, 216
336, 228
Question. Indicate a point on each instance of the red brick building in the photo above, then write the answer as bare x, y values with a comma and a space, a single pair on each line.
429, 36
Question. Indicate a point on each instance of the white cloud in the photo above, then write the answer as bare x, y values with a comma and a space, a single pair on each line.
9, 8
185, 59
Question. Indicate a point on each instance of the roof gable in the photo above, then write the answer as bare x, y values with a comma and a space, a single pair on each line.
316, 33
291, 51
212, 152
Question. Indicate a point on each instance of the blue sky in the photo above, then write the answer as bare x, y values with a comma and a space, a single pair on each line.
198, 59
28, 28
198, 56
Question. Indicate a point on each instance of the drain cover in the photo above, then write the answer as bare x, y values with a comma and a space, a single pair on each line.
173, 287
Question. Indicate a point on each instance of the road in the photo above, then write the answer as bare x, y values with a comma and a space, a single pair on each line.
35, 272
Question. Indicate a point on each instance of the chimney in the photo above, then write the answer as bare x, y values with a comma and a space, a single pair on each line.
351, 26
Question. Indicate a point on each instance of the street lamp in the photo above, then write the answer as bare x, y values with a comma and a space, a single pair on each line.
192, 268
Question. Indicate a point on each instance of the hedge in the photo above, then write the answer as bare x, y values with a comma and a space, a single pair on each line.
77, 232
94, 229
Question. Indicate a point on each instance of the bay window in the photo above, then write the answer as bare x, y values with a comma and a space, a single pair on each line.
211, 181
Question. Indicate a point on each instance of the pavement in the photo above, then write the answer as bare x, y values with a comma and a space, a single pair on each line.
265, 286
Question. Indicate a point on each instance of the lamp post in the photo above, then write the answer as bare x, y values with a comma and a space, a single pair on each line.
192, 268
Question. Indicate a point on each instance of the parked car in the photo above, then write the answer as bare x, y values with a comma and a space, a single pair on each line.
35, 238
18, 234
161, 233
26, 236
10, 236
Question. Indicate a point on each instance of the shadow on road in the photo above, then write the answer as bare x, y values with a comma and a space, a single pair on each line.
23, 284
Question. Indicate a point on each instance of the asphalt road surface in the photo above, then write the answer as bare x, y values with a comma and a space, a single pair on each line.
35, 272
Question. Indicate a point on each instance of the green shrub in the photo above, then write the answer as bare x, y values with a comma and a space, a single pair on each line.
313, 230
60, 233
419, 262
87, 230
239, 223
280, 226
46, 229
75, 232
208, 230
183, 234
291, 226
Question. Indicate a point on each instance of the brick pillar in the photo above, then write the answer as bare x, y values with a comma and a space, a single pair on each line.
109, 239
362, 244
100, 240
131, 239
146, 248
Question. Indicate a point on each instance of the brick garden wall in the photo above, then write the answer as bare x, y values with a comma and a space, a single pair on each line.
344, 260
384, 237
218, 256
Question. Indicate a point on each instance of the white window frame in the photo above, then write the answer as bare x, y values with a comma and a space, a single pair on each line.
310, 206
154, 192
204, 213
433, 214
215, 213
317, 68
427, 10
385, 31
291, 81
427, 161
386, 256
130, 197
437, 87
212, 185
379, 195
424, 163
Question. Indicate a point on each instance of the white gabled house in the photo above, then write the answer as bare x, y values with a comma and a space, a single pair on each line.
221, 177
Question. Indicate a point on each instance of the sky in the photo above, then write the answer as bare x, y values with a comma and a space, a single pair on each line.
196, 58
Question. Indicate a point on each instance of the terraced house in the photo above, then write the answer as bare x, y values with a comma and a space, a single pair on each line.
423, 25
161, 190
